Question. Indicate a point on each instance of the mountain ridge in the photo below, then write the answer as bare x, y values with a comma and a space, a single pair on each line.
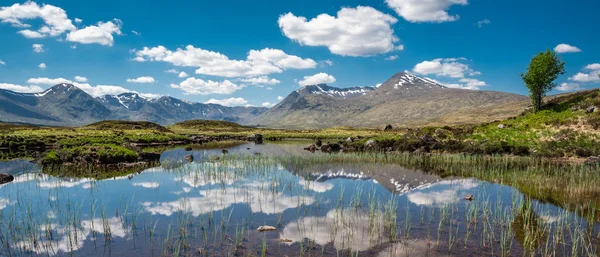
403, 99
67, 105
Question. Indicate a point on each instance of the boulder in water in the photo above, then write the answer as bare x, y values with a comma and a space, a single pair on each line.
266, 228
311, 148
6, 178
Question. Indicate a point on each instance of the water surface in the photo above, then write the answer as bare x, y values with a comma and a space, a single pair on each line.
211, 207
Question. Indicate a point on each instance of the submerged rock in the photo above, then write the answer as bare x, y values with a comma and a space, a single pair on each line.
6, 178
319, 143
266, 228
311, 148
215, 158
388, 127
331, 148
224, 151
188, 148
189, 158
469, 197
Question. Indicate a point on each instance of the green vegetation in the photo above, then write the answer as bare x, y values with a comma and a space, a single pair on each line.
543, 70
203, 125
565, 127
126, 125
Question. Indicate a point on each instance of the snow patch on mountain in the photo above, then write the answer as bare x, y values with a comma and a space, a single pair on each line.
335, 92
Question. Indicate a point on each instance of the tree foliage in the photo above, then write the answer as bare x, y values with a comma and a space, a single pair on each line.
543, 70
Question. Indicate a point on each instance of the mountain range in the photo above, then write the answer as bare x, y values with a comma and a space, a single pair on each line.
67, 105
404, 99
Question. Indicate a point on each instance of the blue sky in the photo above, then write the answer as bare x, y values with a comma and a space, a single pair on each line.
253, 52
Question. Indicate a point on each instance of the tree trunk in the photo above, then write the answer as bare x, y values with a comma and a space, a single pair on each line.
537, 102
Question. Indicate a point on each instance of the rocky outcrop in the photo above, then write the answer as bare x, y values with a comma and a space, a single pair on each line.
6, 178
256, 138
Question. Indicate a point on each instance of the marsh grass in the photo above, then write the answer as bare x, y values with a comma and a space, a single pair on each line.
355, 221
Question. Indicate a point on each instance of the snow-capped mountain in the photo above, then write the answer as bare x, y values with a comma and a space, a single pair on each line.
402, 99
131, 101
334, 92
67, 105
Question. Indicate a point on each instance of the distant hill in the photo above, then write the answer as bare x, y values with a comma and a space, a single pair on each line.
207, 125
404, 100
67, 105
126, 125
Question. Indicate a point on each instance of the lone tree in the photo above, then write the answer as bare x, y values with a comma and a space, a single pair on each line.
543, 70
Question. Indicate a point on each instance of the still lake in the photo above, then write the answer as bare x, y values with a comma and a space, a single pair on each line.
210, 207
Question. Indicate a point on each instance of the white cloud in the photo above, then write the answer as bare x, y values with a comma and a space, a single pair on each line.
55, 20
442, 193
341, 228
267, 104
146, 184
2, 62
228, 101
42, 66
360, 31
102, 33
585, 77
77, 20
593, 66
48, 81
219, 199
319, 187
474, 84
174, 71
483, 22
31, 34
38, 48
194, 86
21, 89
262, 80
257, 63
565, 87
565, 48
319, 78
143, 80
392, 58
183, 75
425, 11
326, 63
136, 33
449, 67
279, 98
81, 79
593, 74
98, 90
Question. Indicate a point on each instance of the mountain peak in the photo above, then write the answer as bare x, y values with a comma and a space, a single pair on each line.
406, 81
324, 89
59, 89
